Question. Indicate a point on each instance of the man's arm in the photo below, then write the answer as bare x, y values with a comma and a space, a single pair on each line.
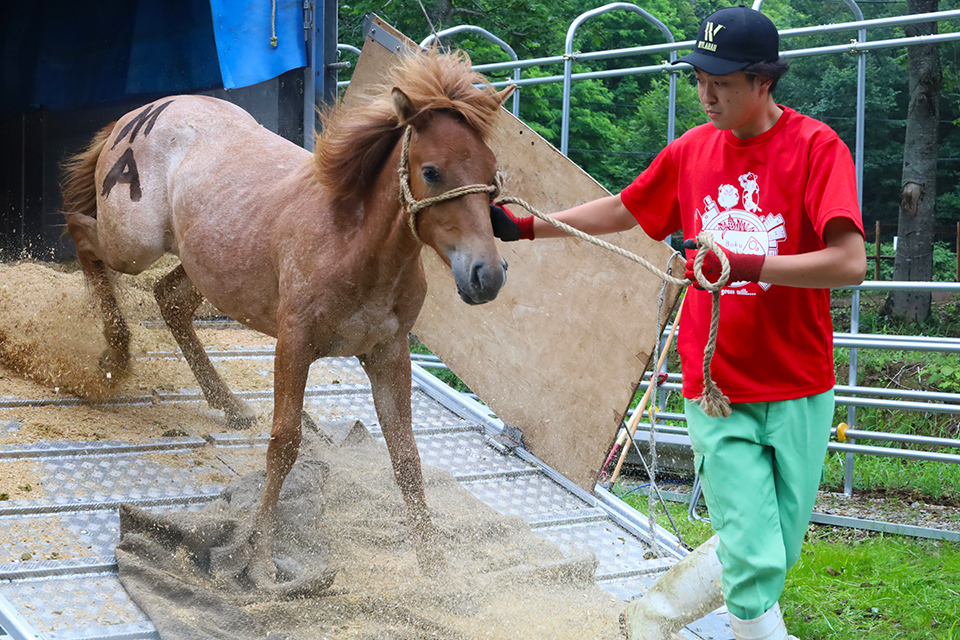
598, 217
842, 263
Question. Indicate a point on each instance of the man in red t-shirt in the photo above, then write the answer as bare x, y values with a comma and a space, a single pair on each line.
777, 191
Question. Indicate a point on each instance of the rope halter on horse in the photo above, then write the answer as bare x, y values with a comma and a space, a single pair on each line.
414, 206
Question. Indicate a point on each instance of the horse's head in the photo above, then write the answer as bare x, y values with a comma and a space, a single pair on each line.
445, 154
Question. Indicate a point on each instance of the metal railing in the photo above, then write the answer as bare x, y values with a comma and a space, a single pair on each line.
859, 47
851, 395
569, 56
492, 38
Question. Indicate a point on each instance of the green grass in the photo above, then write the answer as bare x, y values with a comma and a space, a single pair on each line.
934, 481
693, 533
880, 586
444, 375
852, 585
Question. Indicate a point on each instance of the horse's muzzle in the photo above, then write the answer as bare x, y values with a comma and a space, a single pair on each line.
479, 281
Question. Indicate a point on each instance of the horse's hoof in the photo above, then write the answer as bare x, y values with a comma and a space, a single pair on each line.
113, 364
262, 574
431, 561
241, 423
241, 416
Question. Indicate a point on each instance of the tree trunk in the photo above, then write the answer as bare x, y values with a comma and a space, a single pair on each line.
444, 13
918, 190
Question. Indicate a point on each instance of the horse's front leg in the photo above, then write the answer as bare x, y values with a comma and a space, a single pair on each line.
178, 299
388, 368
290, 370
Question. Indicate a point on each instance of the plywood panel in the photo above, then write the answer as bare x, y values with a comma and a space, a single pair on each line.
561, 350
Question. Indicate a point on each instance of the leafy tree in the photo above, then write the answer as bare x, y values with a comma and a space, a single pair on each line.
918, 192
618, 124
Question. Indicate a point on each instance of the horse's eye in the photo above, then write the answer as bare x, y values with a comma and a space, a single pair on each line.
430, 174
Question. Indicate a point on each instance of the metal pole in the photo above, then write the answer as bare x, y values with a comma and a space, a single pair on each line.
672, 101
326, 93
492, 38
902, 438
689, 44
853, 47
309, 75
852, 378
903, 285
320, 76
568, 57
14, 624
849, 459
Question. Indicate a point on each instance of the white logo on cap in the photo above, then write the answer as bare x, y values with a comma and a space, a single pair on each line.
710, 30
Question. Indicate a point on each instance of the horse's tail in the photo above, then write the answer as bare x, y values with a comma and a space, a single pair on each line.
78, 186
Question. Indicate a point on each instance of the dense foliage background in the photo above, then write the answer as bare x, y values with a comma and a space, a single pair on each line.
619, 124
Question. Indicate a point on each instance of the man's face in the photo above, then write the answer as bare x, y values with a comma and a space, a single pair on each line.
732, 101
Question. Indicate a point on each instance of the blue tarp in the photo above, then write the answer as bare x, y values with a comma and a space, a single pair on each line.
242, 29
63, 54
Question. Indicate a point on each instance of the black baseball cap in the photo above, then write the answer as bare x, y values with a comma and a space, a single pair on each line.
732, 38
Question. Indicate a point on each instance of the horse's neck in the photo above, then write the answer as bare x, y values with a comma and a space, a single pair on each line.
384, 213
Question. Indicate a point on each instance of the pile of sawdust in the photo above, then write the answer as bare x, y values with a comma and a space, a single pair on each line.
51, 335
51, 332
501, 581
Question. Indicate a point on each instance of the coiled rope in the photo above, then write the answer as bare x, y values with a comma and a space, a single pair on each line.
713, 402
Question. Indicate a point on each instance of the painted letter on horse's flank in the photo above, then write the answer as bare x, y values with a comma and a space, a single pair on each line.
124, 170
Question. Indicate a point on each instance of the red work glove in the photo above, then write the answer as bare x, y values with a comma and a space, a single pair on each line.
744, 267
509, 227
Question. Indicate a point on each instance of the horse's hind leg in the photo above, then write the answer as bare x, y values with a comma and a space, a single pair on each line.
178, 299
115, 359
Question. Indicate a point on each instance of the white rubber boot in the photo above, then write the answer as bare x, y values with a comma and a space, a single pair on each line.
769, 626
685, 593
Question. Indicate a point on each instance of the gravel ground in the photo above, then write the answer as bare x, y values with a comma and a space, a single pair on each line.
890, 508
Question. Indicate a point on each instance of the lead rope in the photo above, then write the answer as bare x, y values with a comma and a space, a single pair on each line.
712, 401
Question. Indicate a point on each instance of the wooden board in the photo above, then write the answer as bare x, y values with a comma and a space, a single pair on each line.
560, 352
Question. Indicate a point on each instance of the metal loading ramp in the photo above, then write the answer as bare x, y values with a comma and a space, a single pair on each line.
65, 585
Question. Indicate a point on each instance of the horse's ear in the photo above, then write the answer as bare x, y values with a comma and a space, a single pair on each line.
402, 105
506, 93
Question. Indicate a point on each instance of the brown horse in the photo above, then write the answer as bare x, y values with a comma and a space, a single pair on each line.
318, 251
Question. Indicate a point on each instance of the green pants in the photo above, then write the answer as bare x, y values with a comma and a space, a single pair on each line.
760, 470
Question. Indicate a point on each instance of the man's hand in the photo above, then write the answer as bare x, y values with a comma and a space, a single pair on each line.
509, 227
744, 267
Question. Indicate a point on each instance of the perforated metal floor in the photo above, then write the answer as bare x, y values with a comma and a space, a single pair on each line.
60, 578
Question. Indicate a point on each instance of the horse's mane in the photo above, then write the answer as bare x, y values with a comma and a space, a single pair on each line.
354, 143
